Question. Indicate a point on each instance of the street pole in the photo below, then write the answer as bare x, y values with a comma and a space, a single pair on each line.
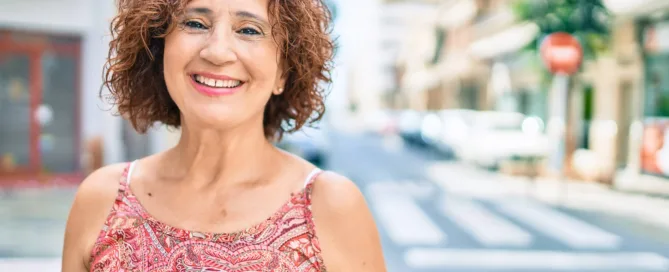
557, 128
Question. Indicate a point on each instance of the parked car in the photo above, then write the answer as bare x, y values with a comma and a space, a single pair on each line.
454, 125
410, 126
498, 136
310, 143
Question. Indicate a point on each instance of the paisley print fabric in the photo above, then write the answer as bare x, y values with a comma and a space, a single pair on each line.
132, 240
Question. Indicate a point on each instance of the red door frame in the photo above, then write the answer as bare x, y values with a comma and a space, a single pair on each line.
35, 45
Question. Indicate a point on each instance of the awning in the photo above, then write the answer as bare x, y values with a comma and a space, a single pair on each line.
457, 14
509, 40
635, 7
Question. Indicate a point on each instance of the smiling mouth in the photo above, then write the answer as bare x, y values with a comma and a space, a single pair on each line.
217, 83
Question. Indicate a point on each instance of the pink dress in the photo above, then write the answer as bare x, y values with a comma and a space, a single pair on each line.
132, 240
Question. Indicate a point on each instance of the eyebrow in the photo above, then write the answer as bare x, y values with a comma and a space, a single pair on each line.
243, 14
249, 15
204, 11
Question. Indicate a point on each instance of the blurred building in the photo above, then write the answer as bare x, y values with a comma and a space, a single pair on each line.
51, 58
470, 59
469, 55
398, 20
640, 87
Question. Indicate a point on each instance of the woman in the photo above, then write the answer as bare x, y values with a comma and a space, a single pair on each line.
232, 74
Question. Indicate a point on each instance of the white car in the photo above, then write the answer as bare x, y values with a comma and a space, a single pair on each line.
410, 125
498, 136
454, 127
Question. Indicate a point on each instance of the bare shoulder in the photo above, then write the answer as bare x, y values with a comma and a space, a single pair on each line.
98, 190
92, 203
102, 183
336, 192
345, 226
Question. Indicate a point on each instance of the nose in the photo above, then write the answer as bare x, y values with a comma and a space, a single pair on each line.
219, 48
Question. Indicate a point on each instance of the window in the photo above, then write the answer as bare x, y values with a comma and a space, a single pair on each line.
39, 103
657, 85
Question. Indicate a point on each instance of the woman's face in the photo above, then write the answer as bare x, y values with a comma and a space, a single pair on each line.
221, 62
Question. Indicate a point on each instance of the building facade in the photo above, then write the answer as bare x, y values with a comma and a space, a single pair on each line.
54, 123
646, 150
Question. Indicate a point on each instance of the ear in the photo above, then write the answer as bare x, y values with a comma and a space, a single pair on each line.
280, 80
278, 91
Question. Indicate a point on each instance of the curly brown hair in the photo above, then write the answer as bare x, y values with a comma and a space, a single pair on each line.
133, 72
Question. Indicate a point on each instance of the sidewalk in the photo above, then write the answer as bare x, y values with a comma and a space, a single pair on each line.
33, 222
470, 181
650, 185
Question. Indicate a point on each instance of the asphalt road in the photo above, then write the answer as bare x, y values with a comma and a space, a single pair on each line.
426, 227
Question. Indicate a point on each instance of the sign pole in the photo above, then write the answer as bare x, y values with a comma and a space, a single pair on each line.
562, 54
557, 128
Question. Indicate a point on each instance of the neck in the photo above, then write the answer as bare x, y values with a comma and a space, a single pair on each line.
208, 158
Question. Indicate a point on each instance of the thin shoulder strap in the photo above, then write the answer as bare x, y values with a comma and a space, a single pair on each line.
129, 174
312, 177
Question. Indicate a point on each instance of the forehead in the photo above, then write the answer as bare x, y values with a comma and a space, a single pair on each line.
225, 7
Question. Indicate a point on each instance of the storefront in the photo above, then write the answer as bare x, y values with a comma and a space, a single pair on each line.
655, 144
54, 128
39, 103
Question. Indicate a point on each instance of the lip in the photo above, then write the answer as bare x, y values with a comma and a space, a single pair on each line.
214, 91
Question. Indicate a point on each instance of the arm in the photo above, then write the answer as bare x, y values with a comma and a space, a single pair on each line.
345, 228
91, 206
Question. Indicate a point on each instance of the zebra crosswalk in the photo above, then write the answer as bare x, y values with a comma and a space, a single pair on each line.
489, 229
492, 260
507, 233
404, 221
566, 229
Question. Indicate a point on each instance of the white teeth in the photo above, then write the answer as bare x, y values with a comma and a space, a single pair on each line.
217, 83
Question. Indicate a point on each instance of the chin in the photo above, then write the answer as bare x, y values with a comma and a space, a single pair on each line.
213, 117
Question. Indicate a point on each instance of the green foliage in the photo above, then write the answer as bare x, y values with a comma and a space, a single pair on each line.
662, 106
588, 20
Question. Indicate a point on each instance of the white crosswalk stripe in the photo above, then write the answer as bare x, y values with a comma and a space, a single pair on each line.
31, 265
562, 227
404, 221
486, 227
407, 187
490, 260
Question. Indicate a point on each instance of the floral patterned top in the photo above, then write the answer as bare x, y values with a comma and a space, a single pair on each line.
132, 240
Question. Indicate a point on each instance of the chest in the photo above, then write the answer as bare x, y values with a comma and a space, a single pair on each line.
220, 212
166, 251
136, 241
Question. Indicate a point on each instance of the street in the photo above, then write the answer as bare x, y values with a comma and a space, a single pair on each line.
464, 225
446, 218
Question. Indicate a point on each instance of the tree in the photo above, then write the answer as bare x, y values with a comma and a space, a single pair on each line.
588, 20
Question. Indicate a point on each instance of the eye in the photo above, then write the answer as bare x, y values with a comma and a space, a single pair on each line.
195, 25
249, 31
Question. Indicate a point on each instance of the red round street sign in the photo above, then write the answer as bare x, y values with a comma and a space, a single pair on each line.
562, 53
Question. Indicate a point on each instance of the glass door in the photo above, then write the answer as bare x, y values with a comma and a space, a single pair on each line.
39, 104
16, 129
56, 113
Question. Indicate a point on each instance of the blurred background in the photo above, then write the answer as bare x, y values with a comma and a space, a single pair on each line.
481, 141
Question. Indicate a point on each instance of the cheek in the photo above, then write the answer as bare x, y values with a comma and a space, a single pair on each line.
178, 50
177, 54
261, 64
